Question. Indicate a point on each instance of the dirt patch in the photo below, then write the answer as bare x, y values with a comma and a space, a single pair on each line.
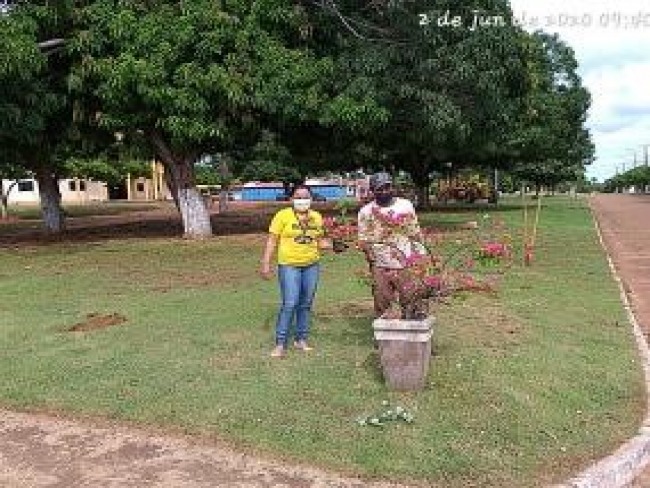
161, 221
42, 450
346, 310
95, 321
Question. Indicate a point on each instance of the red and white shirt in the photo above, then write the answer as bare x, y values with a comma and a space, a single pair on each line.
392, 232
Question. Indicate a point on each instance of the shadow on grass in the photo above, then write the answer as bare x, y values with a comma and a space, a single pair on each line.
150, 227
360, 333
355, 330
168, 224
473, 208
372, 366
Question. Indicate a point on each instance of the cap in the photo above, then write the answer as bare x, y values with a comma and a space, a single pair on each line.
380, 179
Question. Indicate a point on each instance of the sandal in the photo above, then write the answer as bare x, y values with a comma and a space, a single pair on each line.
278, 352
302, 346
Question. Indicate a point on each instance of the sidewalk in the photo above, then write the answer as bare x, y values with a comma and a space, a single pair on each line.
625, 225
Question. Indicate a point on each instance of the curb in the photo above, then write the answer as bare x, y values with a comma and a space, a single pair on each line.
622, 467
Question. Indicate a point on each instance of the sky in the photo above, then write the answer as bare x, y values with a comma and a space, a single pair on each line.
611, 40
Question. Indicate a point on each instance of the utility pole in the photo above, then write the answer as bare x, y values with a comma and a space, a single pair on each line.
634, 157
645, 153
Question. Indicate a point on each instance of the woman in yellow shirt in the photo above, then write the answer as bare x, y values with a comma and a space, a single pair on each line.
297, 233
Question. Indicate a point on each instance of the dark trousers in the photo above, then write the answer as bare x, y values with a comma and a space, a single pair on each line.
389, 287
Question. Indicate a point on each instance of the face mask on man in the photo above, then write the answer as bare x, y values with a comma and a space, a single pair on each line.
301, 204
384, 198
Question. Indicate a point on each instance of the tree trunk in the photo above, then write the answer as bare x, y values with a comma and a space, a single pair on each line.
224, 172
51, 211
4, 199
223, 200
195, 215
179, 173
3, 207
424, 201
422, 183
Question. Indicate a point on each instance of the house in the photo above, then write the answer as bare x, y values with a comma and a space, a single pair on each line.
143, 188
86, 190
329, 189
337, 189
256, 191
73, 190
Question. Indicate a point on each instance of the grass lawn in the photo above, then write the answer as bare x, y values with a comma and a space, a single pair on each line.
33, 212
525, 388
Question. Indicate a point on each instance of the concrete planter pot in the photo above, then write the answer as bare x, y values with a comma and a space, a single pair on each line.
405, 351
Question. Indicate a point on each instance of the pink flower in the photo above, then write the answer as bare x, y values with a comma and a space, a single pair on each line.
414, 259
434, 282
494, 250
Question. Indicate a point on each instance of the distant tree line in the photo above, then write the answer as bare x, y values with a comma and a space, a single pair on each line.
636, 178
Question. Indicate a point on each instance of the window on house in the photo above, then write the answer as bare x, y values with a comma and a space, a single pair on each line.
82, 185
72, 185
139, 187
25, 186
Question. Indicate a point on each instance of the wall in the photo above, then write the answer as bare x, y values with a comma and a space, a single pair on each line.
72, 191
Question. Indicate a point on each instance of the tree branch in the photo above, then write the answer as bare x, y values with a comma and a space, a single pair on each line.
51, 46
51, 43
331, 6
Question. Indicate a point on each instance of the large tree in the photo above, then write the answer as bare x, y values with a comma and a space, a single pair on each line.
36, 115
551, 143
196, 77
451, 93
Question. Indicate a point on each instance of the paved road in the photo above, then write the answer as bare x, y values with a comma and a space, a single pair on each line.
625, 225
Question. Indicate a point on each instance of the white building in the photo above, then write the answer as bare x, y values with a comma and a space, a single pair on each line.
73, 190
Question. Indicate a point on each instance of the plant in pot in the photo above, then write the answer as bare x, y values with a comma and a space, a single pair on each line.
437, 266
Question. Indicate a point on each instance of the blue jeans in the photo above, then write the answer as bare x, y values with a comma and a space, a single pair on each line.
297, 287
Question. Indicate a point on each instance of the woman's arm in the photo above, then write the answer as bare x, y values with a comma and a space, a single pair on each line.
365, 236
265, 264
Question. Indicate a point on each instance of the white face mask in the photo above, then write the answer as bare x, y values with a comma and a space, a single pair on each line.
302, 204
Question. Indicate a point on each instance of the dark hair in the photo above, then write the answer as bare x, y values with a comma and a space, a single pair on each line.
300, 187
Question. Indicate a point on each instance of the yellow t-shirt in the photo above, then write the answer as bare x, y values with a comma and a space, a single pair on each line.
297, 246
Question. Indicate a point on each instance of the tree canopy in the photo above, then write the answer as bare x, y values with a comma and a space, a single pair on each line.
551, 142
36, 108
637, 178
197, 78
284, 89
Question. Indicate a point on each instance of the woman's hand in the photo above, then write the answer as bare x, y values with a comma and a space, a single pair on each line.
325, 243
266, 272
